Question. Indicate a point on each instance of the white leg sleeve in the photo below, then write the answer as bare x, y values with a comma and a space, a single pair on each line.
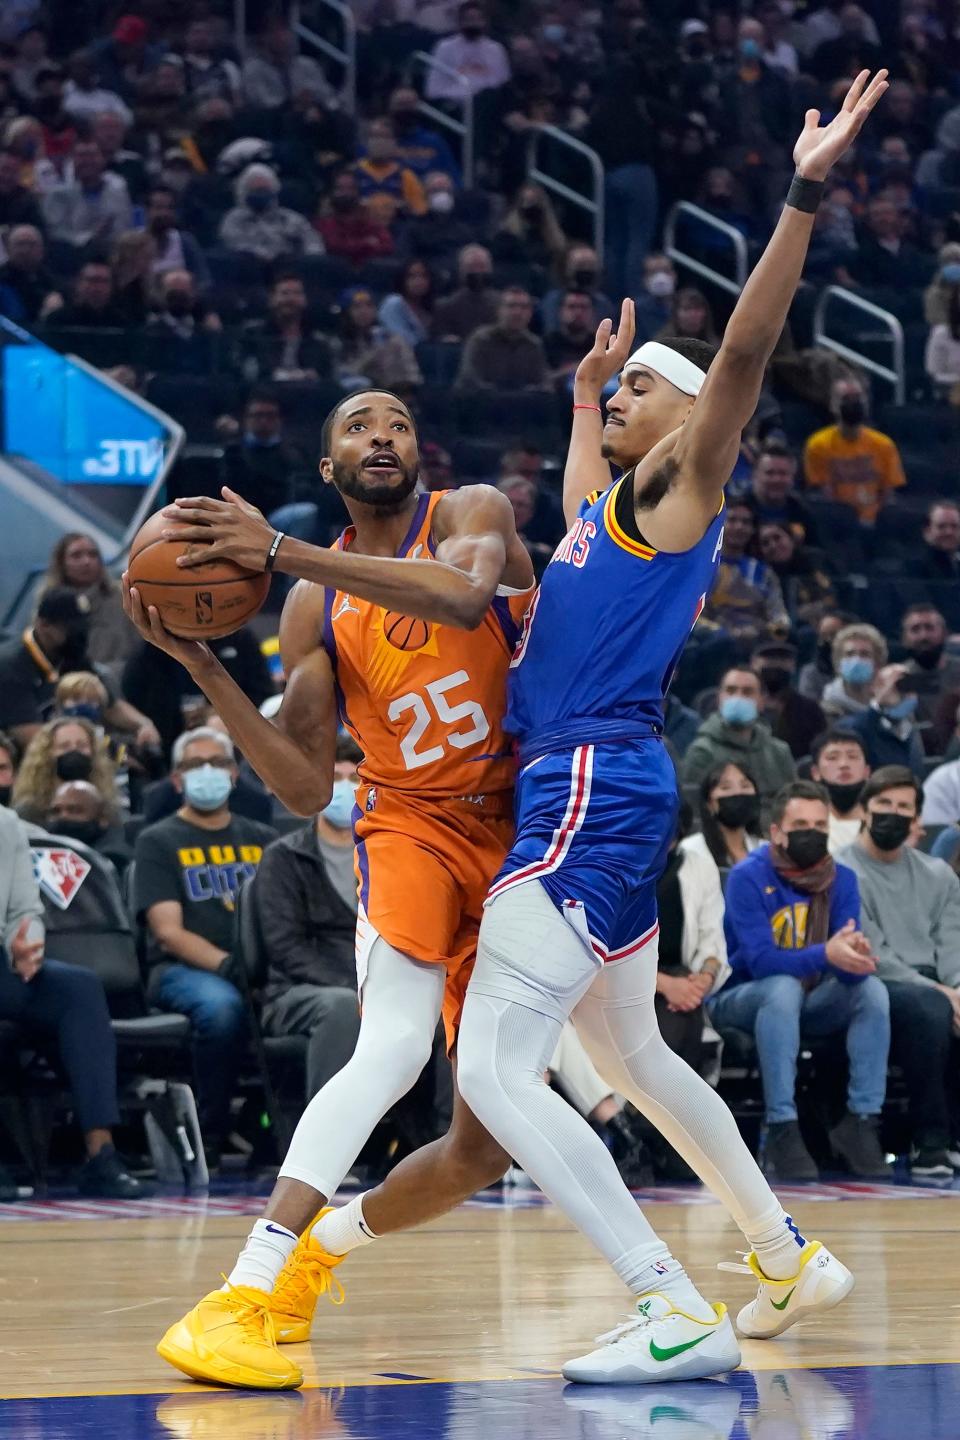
401, 1006
532, 968
575, 1073
617, 1022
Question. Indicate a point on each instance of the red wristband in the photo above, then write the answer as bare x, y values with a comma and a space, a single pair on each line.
589, 407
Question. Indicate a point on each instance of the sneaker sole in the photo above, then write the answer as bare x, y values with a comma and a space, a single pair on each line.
932, 1172
699, 1368
802, 1311
235, 1376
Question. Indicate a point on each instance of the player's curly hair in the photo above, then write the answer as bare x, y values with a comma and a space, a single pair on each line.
37, 781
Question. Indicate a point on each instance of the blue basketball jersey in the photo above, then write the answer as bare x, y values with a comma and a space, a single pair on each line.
604, 634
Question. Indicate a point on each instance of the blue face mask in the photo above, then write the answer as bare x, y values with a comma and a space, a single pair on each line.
207, 788
750, 49
904, 710
259, 200
342, 803
84, 710
738, 710
856, 670
951, 273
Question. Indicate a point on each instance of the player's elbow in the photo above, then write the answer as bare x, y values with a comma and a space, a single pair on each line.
467, 612
307, 800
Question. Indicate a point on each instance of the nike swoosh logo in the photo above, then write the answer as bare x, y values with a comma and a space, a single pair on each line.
657, 1354
782, 1304
276, 1230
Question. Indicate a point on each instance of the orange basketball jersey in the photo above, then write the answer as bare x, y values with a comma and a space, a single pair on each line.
429, 720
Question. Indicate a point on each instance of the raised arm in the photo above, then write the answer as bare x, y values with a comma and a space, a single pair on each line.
704, 452
586, 470
478, 549
294, 754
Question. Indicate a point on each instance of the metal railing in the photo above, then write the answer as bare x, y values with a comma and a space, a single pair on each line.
732, 284
345, 54
895, 374
595, 205
462, 128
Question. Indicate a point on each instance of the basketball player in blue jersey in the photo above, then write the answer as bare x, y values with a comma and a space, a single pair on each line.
570, 927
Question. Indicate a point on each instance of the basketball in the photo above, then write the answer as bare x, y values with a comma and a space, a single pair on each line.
201, 604
404, 632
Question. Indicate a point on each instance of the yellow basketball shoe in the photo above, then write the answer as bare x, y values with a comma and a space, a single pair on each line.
228, 1338
307, 1275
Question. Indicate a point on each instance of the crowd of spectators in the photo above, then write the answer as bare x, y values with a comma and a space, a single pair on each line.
222, 232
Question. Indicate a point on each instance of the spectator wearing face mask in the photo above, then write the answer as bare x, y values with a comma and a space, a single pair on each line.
729, 808
911, 915
931, 674
859, 653
791, 716
473, 303
581, 271
420, 148
848, 461
802, 968
259, 225
440, 233
31, 663
308, 927
479, 61
67, 748
840, 766
736, 734
887, 726
180, 325
189, 869
76, 562
79, 812
347, 228
653, 306
818, 672
389, 189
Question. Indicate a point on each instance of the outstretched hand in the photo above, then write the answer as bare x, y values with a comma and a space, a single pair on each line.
820, 146
192, 654
607, 358
227, 529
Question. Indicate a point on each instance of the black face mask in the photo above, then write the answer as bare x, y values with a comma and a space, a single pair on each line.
584, 279
738, 812
405, 120
825, 657
531, 213
927, 659
74, 765
88, 832
889, 831
471, 32
476, 281
774, 679
806, 848
852, 411
5, 792
843, 798
343, 204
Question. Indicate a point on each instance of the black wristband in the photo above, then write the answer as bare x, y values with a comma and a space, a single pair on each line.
805, 194
272, 552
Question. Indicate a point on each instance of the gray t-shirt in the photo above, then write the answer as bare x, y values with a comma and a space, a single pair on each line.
339, 862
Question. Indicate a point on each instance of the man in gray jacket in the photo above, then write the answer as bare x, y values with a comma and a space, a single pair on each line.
736, 733
910, 912
64, 1005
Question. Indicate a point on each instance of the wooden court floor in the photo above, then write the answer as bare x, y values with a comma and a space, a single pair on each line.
484, 1295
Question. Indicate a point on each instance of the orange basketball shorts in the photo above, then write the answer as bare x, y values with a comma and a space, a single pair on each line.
423, 870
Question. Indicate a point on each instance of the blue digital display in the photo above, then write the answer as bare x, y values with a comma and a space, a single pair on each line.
74, 426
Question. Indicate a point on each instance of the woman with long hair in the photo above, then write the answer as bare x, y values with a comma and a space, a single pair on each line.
530, 232
76, 562
729, 805
367, 356
690, 317
408, 311
67, 748
132, 267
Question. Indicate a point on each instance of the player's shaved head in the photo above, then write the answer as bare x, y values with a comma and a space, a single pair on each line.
370, 449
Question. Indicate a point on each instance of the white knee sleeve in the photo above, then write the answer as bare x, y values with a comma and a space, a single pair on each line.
401, 1007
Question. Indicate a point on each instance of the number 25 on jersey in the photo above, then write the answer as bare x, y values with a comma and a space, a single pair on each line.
433, 705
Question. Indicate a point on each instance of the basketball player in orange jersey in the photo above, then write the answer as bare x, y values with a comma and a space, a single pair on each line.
433, 824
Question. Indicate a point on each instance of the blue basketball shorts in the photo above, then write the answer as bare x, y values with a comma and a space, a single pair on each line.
594, 826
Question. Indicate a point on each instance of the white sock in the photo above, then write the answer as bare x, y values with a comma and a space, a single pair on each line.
778, 1249
268, 1248
666, 1276
343, 1229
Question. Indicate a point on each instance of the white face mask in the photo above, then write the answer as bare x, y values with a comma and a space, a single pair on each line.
661, 284
441, 202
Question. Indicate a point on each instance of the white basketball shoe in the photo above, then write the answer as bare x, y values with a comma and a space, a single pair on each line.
820, 1283
659, 1343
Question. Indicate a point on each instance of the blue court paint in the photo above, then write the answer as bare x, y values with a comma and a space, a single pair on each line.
870, 1403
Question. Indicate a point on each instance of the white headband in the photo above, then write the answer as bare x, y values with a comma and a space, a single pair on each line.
681, 372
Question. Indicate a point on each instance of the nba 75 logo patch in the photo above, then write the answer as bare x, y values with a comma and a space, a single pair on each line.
203, 600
